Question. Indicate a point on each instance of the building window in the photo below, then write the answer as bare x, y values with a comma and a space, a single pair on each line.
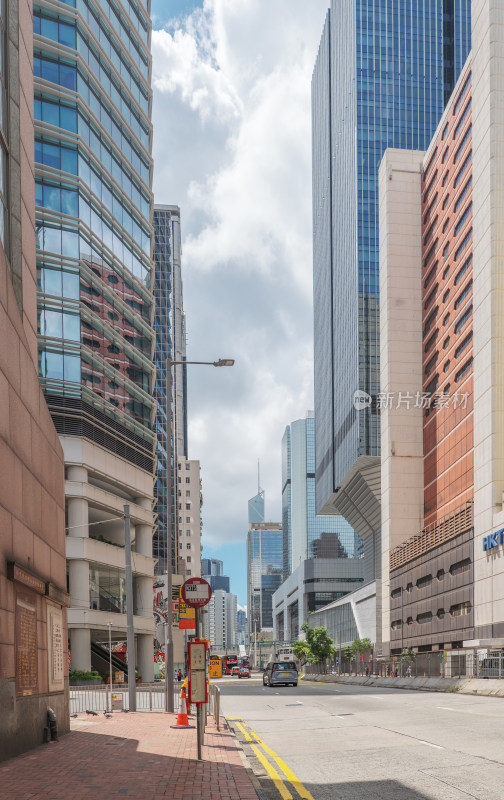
188, 493
188, 466
188, 546
188, 559
188, 506
187, 519
188, 480
461, 609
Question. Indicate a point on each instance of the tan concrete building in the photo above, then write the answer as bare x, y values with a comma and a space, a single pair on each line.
442, 343
33, 626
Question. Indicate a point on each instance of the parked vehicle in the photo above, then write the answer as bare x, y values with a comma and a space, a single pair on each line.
235, 671
280, 673
244, 672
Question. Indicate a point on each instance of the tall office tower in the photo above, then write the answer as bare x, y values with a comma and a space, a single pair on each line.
264, 573
381, 79
189, 517
212, 566
169, 325
222, 620
213, 571
321, 554
306, 535
95, 278
33, 599
256, 504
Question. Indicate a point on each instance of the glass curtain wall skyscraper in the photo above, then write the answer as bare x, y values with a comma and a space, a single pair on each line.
383, 74
169, 323
93, 164
264, 573
306, 535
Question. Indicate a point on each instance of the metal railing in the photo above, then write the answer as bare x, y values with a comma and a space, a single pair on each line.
97, 698
452, 664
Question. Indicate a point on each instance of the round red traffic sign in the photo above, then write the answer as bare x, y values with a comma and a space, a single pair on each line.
196, 592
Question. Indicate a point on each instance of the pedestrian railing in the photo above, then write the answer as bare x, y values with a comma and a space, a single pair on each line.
450, 664
97, 698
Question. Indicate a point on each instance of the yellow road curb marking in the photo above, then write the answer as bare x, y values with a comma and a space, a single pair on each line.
275, 777
289, 774
248, 738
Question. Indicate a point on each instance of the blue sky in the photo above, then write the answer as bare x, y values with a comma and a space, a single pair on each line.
164, 10
232, 148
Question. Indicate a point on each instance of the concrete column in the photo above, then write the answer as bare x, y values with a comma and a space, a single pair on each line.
77, 516
145, 656
80, 648
79, 583
143, 540
77, 474
143, 596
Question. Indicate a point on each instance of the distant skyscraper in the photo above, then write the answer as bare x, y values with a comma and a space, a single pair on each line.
383, 74
212, 566
306, 535
256, 503
169, 324
93, 162
222, 620
264, 573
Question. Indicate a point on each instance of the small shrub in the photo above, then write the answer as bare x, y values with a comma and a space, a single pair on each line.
452, 689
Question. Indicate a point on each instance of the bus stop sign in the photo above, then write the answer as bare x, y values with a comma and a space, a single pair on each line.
196, 592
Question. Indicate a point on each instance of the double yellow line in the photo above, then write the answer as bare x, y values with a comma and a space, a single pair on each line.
249, 736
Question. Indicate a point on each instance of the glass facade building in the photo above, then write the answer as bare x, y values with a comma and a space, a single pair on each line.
306, 535
93, 176
264, 572
93, 227
169, 324
382, 77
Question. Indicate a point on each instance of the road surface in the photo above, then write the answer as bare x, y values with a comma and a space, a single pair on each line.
344, 742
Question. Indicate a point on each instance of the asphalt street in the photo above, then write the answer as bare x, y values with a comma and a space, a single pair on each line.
342, 742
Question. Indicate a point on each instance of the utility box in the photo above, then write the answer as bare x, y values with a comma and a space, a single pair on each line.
117, 702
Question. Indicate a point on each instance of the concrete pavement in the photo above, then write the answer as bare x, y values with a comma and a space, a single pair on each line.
350, 742
130, 755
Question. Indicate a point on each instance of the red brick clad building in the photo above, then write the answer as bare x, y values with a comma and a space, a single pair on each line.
447, 280
33, 634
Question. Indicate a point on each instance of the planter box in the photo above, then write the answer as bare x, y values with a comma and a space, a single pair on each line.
85, 682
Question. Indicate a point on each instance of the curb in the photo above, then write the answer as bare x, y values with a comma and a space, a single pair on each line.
254, 779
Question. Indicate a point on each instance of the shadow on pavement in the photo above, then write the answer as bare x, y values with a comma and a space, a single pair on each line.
365, 790
100, 766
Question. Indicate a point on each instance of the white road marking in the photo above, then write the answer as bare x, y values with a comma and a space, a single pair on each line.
429, 744
446, 708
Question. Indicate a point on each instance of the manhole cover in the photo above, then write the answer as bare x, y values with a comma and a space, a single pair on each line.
117, 742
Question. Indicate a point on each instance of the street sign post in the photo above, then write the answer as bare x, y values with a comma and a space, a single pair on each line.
196, 592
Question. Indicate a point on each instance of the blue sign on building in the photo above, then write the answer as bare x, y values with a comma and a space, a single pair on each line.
493, 540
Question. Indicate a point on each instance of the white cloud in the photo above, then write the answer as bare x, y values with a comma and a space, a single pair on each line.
232, 147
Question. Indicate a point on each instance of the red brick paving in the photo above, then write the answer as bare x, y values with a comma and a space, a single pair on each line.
130, 755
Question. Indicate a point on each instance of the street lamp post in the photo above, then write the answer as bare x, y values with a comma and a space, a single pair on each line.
222, 362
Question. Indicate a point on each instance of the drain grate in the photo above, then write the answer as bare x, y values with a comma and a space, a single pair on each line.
117, 742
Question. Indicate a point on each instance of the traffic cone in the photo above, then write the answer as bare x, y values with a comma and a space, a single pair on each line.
182, 720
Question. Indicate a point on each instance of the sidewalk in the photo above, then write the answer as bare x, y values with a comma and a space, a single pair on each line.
130, 755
